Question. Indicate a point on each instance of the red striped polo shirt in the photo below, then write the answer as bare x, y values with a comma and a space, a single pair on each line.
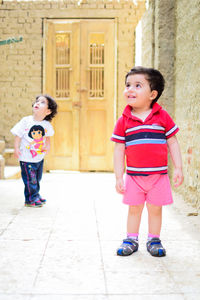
145, 142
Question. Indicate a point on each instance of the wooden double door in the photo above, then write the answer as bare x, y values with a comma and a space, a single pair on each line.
79, 72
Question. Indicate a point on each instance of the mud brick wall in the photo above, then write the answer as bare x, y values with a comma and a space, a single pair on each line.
21, 64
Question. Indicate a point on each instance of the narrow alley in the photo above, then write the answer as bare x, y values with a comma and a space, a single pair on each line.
66, 250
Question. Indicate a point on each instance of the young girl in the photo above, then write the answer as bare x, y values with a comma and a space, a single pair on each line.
32, 142
142, 135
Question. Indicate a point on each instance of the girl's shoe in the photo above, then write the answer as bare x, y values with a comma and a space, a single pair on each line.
127, 247
34, 204
43, 201
155, 247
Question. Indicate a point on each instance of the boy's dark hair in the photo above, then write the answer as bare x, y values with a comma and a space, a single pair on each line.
52, 105
36, 128
154, 77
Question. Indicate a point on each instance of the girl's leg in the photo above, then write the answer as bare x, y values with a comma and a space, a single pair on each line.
154, 219
134, 218
39, 177
25, 179
39, 174
29, 171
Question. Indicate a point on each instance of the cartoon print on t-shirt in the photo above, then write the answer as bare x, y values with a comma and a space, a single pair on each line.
37, 133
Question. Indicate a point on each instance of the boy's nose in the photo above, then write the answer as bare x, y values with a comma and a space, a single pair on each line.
131, 87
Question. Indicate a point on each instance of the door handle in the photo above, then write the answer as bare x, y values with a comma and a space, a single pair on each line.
82, 90
77, 104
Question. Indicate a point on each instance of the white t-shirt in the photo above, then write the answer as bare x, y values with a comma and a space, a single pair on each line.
33, 135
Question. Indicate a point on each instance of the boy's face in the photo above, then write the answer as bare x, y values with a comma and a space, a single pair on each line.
137, 92
40, 107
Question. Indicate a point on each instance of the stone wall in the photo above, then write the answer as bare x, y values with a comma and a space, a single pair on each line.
22, 62
171, 43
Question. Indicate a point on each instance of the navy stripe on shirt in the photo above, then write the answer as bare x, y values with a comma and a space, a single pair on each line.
145, 135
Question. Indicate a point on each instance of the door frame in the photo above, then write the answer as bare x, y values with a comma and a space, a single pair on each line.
115, 73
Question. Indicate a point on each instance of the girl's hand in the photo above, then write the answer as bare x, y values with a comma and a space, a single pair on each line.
46, 149
17, 153
47, 144
178, 177
120, 185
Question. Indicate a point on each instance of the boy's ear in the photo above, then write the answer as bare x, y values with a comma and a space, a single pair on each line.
154, 94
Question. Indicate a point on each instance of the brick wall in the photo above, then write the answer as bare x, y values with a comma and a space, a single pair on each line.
171, 43
21, 63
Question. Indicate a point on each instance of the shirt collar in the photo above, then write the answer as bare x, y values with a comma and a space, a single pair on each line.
128, 108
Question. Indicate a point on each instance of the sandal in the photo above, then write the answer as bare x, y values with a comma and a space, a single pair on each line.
155, 247
127, 247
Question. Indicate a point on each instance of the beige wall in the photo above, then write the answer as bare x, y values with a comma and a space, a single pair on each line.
171, 43
158, 27
21, 63
187, 94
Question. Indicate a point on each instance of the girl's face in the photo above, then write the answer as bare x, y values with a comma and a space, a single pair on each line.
137, 92
40, 107
36, 134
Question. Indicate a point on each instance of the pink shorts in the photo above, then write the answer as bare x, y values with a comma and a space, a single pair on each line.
154, 189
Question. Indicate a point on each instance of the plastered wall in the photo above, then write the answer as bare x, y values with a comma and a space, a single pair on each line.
187, 94
171, 43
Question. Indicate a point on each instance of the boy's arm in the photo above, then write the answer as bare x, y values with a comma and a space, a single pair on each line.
175, 153
17, 142
119, 159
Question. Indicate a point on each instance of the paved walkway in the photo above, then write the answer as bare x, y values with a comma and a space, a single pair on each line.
66, 249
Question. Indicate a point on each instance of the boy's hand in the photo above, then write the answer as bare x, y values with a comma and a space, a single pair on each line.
120, 185
178, 177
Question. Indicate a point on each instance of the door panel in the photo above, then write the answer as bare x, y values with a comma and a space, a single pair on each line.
79, 73
62, 72
97, 79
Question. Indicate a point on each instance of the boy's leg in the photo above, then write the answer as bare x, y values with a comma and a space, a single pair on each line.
134, 218
154, 245
154, 219
130, 245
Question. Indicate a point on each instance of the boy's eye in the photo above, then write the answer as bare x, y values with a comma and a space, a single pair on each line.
128, 84
138, 85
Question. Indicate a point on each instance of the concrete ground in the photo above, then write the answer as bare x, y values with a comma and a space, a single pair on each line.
66, 250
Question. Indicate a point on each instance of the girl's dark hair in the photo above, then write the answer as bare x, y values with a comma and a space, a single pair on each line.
36, 128
52, 105
154, 77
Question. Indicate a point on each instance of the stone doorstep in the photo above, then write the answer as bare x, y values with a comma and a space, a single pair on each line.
12, 172
2, 146
10, 160
11, 168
